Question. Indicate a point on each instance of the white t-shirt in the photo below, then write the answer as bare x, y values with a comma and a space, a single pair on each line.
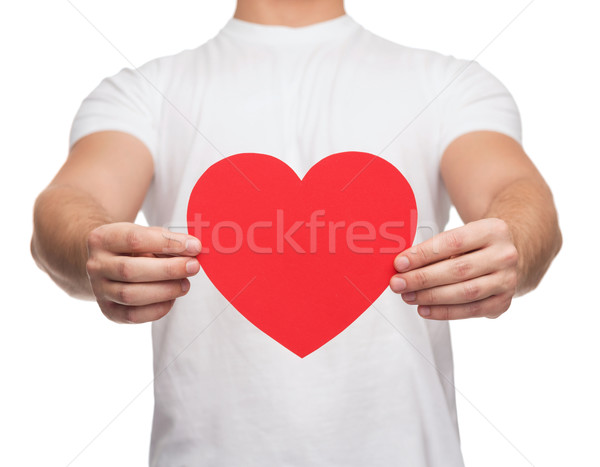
380, 393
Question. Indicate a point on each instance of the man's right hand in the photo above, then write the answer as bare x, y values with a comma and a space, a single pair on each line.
137, 272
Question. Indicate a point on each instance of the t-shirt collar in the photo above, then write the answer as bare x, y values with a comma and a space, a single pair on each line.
338, 27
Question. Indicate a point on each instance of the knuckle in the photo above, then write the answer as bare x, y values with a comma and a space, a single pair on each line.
124, 295
502, 227
421, 279
172, 242
501, 305
461, 268
510, 255
499, 228
497, 224
133, 240
124, 270
492, 227
164, 308
496, 313
475, 308
443, 312
421, 253
471, 291
111, 310
430, 296
128, 315
95, 239
171, 269
453, 240
92, 266
506, 303
105, 306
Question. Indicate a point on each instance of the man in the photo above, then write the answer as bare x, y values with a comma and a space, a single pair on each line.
298, 79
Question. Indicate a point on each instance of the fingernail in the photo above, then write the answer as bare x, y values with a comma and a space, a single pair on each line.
424, 310
410, 296
401, 263
192, 266
193, 245
185, 285
397, 284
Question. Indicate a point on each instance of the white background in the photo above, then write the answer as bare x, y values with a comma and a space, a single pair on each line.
77, 387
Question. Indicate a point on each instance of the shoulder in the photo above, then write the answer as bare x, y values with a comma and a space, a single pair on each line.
173, 63
427, 65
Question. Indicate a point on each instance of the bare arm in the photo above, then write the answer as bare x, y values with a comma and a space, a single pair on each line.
503, 183
509, 240
85, 240
63, 218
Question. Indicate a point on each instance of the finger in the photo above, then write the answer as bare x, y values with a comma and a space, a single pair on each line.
132, 238
446, 244
490, 307
148, 269
451, 271
144, 293
136, 314
453, 294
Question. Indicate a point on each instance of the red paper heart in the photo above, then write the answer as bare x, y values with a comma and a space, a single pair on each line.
301, 259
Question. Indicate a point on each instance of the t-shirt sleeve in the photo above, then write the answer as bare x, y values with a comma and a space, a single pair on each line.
475, 100
127, 101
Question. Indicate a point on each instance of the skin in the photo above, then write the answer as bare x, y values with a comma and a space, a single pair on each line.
85, 239
510, 235
293, 13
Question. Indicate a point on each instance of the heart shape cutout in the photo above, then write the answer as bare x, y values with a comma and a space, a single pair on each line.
301, 259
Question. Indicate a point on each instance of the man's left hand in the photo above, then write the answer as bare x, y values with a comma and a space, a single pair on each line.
467, 272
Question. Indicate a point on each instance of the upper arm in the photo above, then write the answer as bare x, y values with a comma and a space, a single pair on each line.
479, 165
113, 141
113, 167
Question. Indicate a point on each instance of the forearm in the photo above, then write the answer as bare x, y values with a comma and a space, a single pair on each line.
528, 209
63, 218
